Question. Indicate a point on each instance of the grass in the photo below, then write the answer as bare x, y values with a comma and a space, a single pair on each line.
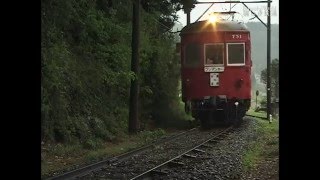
265, 146
262, 114
58, 157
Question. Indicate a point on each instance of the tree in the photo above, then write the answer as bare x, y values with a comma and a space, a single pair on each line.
85, 67
274, 72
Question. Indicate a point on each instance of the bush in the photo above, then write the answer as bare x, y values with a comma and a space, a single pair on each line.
149, 136
93, 144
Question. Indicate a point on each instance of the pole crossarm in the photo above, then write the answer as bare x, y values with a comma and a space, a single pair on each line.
205, 12
223, 2
255, 15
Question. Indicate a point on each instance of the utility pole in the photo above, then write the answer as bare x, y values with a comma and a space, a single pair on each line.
187, 7
188, 17
257, 94
134, 89
268, 64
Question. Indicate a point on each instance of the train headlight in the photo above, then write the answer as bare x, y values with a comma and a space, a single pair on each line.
213, 18
236, 103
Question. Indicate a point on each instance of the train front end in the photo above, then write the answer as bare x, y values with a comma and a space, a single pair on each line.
215, 71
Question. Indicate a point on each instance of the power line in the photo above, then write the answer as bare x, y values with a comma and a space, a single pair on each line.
157, 21
205, 12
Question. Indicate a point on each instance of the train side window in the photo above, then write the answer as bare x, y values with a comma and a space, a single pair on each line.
236, 54
192, 55
214, 54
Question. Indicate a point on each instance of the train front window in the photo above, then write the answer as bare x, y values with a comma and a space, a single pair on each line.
213, 54
192, 55
235, 53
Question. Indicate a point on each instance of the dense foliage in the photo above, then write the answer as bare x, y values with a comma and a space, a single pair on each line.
86, 57
274, 75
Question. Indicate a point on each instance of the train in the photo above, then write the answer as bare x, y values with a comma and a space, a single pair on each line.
216, 71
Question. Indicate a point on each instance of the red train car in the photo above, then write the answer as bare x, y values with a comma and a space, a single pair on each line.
215, 70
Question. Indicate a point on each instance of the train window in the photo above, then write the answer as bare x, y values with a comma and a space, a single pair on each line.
235, 53
192, 55
213, 54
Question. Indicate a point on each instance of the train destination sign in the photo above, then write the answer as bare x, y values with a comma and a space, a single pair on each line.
213, 69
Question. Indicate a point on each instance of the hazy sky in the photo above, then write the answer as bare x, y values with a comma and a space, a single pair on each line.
243, 13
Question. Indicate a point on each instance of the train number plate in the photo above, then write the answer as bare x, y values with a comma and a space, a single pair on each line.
214, 79
213, 69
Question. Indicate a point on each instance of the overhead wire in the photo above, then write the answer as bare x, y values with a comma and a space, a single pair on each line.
205, 12
157, 21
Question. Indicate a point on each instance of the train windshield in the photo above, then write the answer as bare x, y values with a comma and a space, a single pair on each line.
213, 54
192, 55
236, 55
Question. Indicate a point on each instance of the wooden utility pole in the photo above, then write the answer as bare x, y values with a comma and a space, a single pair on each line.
188, 17
268, 65
187, 7
257, 94
134, 89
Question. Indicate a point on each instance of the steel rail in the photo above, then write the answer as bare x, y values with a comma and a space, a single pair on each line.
147, 173
79, 172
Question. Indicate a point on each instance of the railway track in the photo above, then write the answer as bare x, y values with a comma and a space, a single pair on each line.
80, 172
142, 162
179, 160
145, 162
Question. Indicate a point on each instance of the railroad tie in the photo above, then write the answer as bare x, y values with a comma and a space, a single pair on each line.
159, 172
198, 150
175, 164
206, 145
189, 156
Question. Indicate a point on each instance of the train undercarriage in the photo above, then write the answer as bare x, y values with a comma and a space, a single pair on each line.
218, 110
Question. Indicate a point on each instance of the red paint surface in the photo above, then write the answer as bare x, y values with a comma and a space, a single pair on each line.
196, 82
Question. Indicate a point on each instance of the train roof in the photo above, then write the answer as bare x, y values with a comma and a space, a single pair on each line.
206, 26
